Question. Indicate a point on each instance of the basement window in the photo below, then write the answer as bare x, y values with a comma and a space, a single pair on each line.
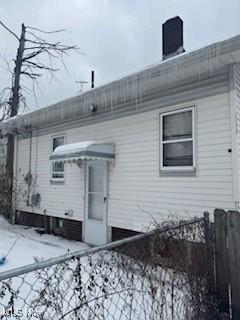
57, 173
177, 141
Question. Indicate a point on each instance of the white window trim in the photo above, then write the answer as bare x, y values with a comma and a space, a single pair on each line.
193, 139
52, 178
56, 172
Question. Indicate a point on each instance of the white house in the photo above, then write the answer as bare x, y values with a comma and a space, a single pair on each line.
106, 163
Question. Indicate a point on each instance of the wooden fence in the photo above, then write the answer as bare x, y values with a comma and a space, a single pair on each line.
227, 261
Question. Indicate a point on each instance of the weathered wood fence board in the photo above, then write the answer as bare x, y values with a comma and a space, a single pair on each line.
221, 259
233, 219
227, 259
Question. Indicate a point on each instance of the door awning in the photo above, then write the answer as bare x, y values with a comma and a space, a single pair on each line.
87, 150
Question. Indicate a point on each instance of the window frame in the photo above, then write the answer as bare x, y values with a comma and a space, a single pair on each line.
192, 139
62, 179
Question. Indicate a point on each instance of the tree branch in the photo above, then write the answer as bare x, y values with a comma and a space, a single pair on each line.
47, 32
97, 298
31, 74
39, 66
32, 55
9, 30
29, 65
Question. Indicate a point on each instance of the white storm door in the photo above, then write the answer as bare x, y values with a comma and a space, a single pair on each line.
96, 202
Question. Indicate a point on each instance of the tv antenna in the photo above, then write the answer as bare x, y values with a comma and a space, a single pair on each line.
82, 84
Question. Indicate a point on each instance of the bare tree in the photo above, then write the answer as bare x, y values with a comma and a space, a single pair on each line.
35, 56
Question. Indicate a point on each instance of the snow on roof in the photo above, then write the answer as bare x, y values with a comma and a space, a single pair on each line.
90, 150
170, 73
72, 148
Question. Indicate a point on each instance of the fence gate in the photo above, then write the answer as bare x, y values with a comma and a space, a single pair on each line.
227, 250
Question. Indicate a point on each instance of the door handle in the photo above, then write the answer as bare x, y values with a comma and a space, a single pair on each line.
105, 199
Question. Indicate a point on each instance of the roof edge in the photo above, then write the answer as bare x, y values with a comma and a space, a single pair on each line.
202, 62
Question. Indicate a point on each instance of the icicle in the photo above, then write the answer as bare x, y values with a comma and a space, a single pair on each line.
140, 89
148, 81
136, 93
124, 93
111, 101
106, 95
84, 104
209, 62
218, 51
114, 96
199, 69
103, 98
127, 94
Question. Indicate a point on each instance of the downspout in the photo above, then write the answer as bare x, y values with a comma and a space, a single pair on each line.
36, 164
29, 180
15, 180
233, 129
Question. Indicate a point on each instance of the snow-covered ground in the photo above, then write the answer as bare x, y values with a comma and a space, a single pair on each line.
106, 282
30, 244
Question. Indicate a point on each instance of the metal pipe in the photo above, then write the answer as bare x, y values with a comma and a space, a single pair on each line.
92, 79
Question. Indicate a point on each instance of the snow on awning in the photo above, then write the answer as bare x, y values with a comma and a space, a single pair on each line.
87, 150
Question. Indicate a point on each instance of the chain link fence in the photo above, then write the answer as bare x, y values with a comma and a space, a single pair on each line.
163, 274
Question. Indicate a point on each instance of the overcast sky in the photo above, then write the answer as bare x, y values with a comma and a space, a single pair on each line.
117, 36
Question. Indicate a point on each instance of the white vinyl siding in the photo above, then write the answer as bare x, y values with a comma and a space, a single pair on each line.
23, 169
137, 194
237, 102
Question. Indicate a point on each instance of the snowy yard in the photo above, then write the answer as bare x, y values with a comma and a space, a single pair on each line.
30, 244
127, 283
